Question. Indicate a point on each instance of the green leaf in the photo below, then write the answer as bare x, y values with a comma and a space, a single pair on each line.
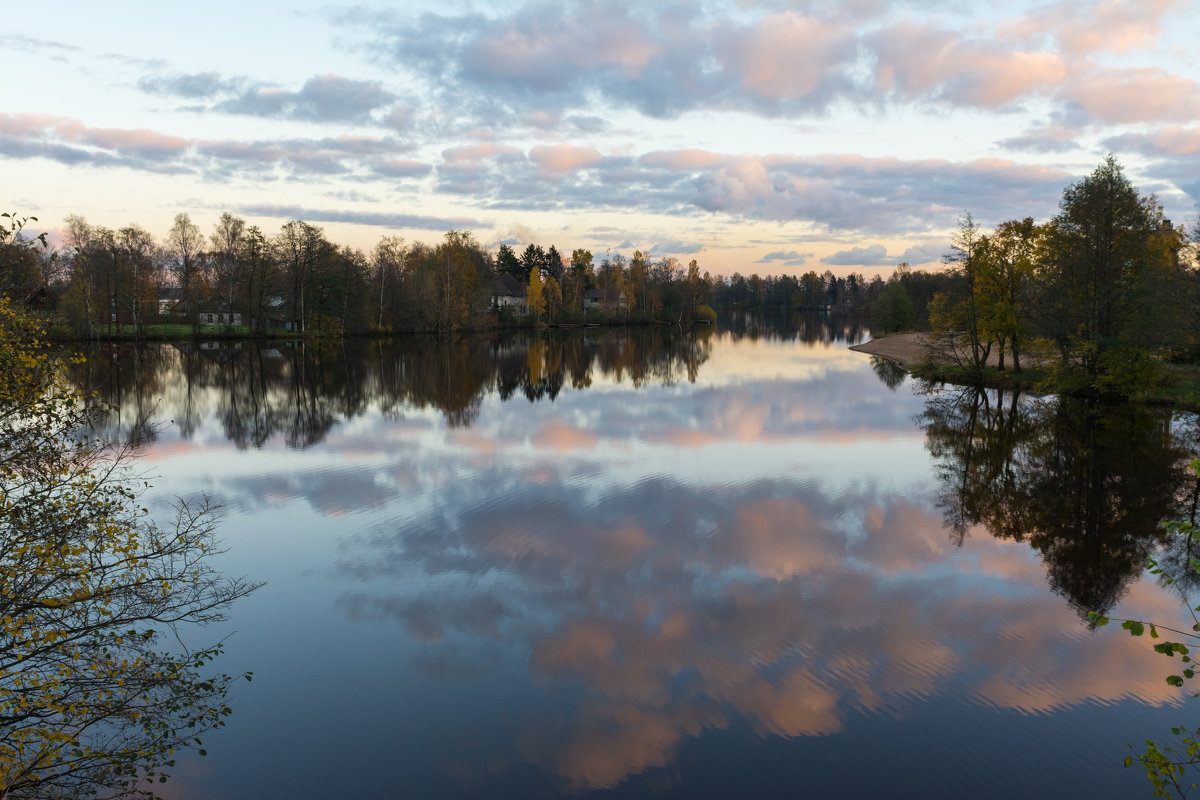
1175, 680
1134, 627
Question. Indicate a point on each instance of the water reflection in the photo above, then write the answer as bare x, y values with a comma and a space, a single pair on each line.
300, 390
563, 564
1085, 484
672, 610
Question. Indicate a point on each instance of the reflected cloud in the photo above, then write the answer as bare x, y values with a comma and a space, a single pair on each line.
780, 605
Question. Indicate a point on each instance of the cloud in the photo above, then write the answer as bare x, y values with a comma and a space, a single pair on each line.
1143, 94
400, 168
674, 247
196, 85
323, 98
373, 218
925, 253
661, 59
1172, 141
1044, 139
919, 60
870, 256
1084, 29
562, 158
554, 59
790, 258
797, 60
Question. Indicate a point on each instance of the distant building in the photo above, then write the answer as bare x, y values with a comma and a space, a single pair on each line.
508, 292
604, 299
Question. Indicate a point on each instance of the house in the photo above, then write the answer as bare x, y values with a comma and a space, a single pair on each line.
168, 297
210, 310
605, 299
508, 292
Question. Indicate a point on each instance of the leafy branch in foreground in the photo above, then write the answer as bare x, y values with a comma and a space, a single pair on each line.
1167, 766
97, 690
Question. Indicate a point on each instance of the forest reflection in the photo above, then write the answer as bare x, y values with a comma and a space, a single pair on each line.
299, 390
1086, 484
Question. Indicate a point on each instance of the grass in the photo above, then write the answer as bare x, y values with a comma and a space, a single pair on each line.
173, 332
1177, 386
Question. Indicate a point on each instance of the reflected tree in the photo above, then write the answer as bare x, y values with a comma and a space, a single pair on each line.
1084, 483
889, 372
301, 390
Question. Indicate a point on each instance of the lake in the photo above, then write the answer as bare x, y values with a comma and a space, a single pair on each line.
732, 562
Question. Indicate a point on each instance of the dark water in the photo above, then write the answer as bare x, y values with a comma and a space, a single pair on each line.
732, 563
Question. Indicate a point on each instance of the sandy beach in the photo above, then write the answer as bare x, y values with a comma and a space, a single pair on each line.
905, 349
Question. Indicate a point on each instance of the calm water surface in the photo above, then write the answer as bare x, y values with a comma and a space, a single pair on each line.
735, 563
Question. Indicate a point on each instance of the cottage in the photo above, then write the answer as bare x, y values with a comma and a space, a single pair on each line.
508, 292
605, 299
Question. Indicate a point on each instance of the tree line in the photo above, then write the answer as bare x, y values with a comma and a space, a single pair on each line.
102, 280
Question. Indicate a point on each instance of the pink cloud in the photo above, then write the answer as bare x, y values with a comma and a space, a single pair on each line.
1137, 95
787, 56
1117, 26
27, 124
920, 59
138, 139
1171, 141
549, 53
563, 438
562, 158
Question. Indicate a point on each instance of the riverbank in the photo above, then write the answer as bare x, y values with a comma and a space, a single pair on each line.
906, 349
1178, 385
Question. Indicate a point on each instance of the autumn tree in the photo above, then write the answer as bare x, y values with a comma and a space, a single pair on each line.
21, 276
693, 286
80, 296
581, 277
1105, 251
137, 245
298, 248
553, 294
226, 240
534, 294
387, 268
462, 268
93, 699
187, 245
956, 314
1005, 285
259, 271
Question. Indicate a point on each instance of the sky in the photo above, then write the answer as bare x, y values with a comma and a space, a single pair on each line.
753, 135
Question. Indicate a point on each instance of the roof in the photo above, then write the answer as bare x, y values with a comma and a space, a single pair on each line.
507, 286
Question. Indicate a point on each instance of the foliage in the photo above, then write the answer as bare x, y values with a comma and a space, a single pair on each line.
1168, 767
534, 293
20, 266
1102, 289
92, 699
705, 313
892, 310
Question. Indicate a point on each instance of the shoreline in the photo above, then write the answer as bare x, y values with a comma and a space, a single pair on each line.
906, 349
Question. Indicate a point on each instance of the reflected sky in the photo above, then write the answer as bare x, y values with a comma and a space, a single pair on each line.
679, 559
